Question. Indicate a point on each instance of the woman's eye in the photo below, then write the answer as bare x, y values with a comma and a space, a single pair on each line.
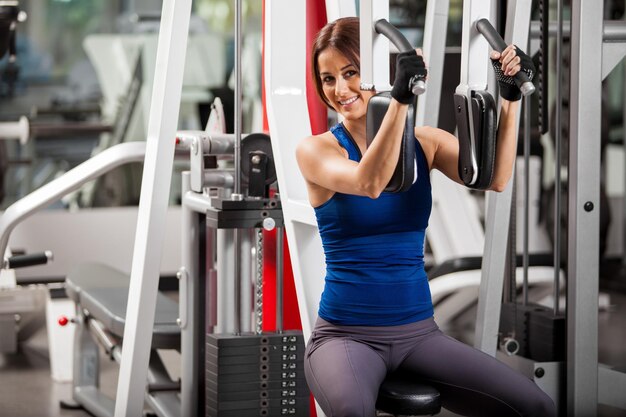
349, 74
327, 80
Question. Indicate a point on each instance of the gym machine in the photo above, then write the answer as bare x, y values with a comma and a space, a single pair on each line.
586, 382
101, 296
21, 299
228, 216
286, 96
248, 372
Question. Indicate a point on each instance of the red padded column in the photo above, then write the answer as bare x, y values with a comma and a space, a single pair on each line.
316, 18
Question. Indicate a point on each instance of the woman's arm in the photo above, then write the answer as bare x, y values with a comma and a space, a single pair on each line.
325, 164
506, 147
444, 147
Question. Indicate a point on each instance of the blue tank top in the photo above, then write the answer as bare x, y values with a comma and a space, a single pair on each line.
374, 251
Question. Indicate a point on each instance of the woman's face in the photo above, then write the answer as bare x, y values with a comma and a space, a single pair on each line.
340, 83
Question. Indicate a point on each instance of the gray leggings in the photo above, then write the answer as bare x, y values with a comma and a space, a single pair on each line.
345, 365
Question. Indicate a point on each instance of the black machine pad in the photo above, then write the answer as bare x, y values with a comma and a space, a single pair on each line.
476, 157
405, 173
403, 395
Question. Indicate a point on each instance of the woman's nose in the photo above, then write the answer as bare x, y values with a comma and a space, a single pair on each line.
340, 86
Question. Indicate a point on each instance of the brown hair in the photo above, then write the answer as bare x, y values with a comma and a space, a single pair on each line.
342, 35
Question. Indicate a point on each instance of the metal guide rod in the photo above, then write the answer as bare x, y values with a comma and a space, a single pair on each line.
238, 92
237, 238
624, 179
526, 196
237, 190
279, 279
225, 279
557, 156
510, 271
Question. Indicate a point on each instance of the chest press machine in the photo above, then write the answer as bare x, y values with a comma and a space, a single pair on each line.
299, 217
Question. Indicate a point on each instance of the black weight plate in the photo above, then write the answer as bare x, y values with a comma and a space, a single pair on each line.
257, 142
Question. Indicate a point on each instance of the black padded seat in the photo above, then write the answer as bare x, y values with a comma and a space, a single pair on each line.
103, 291
404, 396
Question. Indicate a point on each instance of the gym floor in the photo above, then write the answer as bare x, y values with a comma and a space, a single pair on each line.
27, 390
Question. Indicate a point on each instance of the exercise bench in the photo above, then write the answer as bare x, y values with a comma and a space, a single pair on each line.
101, 294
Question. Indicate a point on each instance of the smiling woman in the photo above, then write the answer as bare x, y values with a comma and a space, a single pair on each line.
376, 314
335, 68
340, 84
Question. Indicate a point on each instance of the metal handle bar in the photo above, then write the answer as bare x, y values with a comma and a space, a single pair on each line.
484, 27
383, 27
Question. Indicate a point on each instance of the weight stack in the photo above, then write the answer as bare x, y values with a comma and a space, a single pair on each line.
541, 334
250, 375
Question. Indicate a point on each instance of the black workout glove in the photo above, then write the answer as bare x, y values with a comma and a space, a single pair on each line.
408, 65
508, 88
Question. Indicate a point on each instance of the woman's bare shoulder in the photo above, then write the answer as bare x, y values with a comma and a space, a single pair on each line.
315, 144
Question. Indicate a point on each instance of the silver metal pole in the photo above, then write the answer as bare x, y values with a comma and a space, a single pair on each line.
624, 189
237, 191
247, 266
279, 279
237, 292
526, 199
238, 95
557, 156
225, 311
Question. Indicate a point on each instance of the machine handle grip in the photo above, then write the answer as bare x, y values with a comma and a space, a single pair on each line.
20, 261
383, 27
484, 27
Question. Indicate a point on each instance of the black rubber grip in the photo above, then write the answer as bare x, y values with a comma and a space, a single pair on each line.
21, 261
396, 37
484, 27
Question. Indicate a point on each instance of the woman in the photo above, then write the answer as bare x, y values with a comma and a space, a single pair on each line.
376, 314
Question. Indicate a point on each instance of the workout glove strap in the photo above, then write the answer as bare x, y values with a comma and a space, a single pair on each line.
508, 88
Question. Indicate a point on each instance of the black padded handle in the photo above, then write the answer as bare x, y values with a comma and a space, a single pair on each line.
21, 261
383, 27
484, 27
